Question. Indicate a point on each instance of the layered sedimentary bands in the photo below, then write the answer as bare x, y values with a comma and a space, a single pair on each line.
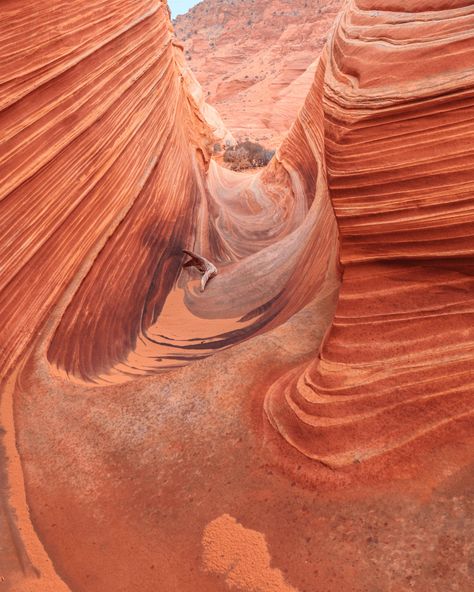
141, 451
256, 59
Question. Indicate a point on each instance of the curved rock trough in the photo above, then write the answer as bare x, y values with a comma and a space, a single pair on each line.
304, 423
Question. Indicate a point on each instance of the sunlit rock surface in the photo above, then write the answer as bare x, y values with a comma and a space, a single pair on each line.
272, 432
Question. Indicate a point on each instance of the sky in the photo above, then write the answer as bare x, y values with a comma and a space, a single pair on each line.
180, 6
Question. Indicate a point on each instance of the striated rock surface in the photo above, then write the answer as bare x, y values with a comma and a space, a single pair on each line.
256, 59
332, 446
397, 363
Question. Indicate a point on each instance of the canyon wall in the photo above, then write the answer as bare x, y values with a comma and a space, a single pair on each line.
396, 364
256, 59
272, 432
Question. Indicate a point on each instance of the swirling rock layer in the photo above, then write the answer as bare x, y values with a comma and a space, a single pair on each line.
124, 476
397, 362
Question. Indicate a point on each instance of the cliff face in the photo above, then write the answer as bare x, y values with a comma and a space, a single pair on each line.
255, 59
332, 444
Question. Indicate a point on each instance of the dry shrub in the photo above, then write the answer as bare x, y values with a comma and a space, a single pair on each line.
247, 155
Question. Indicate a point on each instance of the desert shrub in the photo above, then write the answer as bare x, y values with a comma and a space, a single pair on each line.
246, 155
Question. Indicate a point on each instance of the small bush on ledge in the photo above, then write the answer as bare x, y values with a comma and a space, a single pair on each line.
247, 155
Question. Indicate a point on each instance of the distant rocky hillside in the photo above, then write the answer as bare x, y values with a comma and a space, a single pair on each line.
254, 58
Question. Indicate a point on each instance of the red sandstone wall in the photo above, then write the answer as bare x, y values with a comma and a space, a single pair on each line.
106, 177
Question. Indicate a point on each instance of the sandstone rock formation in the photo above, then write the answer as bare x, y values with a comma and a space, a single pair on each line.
256, 59
331, 447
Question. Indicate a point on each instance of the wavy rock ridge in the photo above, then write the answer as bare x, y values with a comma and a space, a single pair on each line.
107, 176
124, 220
397, 363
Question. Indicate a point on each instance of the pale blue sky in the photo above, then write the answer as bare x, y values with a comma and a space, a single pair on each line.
180, 6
